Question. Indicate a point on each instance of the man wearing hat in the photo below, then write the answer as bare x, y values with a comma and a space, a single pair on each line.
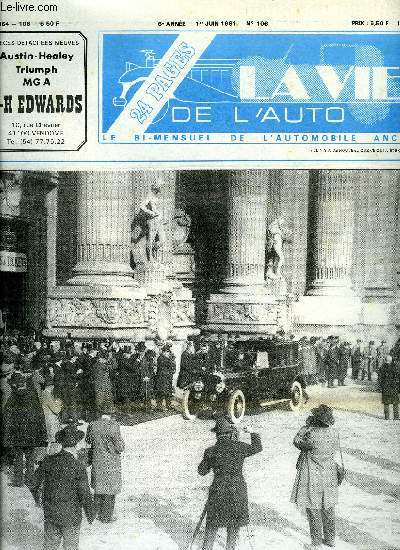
315, 487
370, 360
357, 360
227, 504
389, 382
166, 367
382, 351
104, 436
61, 484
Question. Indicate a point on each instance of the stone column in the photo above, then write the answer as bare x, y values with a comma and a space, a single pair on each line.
101, 299
103, 232
247, 208
331, 224
243, 304
330, 302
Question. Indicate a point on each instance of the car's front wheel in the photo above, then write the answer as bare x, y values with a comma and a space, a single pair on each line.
189, 405
236, 406
296, 396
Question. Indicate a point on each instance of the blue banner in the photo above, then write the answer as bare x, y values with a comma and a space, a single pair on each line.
249, 84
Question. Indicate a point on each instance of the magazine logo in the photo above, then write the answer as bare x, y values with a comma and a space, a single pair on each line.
362, 83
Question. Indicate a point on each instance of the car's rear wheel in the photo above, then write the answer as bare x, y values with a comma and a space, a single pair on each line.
296, 396
190, 407
236, 406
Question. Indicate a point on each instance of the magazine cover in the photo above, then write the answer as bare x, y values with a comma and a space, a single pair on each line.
200, 275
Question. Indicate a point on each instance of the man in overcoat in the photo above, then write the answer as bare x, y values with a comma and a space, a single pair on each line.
370, 360
382, 351
61, 485
357, 360
315, 487
227, 504
344, 362
24, 427
166, 367
389, 381
104, 436
187, 367
331, 362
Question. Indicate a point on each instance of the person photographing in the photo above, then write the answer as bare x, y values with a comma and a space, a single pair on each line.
227, 504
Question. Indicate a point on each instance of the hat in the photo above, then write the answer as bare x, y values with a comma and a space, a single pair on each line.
69, 436
140, 346
223, 426
167, 346
324, 414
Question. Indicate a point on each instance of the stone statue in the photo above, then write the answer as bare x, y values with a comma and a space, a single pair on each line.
182, 223
150, 223
276, 235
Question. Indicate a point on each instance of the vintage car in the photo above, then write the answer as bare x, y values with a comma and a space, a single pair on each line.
246, 374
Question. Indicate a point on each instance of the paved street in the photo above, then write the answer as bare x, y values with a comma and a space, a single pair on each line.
163, 495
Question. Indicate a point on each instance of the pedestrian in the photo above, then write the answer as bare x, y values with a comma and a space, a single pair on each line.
126, 378
24, 427
227, 503
315, 487
102, 382
357, 360
370, 360
344, 353
331, 360
166, 367
147, 369
52, 405
61, 485
70, 395
104, 436
186, 367
86, 365
389, 382
382, 351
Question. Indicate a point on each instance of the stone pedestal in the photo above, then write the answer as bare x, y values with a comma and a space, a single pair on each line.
243, 304
329, 299
101, 299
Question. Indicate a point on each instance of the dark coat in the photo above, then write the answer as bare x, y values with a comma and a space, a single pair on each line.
102, 385
344, 361
146, 375
23, 419
186, 370
128, 379
104, 436
65, 489
166, 367
227, 504
389, 381
331, 362
86, 378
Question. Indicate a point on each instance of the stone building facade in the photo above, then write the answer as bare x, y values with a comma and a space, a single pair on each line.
242, 252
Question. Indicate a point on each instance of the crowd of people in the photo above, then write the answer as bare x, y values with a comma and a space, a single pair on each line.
49, 389
328, 359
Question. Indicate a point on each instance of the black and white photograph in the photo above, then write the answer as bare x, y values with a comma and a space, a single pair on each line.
200, 359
